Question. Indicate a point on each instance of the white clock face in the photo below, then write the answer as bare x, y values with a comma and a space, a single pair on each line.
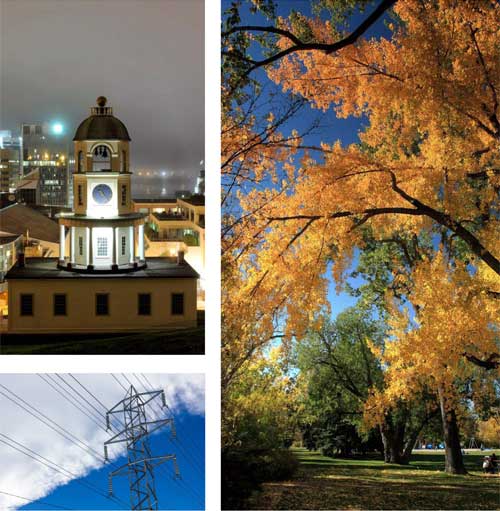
102, 194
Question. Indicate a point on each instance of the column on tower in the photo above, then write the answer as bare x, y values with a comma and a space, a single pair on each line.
141, 242
132, 244
90, 251
72, 246
114, 264
62, 242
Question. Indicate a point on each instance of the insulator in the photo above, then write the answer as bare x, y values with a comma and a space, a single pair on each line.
106, 453
108, 426
177, 474
110, 481
163, 399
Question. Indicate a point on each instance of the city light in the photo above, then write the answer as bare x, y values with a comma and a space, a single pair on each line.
57, 128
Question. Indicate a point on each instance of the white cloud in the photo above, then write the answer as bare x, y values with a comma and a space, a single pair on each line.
21, 475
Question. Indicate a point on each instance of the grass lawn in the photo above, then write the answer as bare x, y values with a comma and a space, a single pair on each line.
180, 341
327, 483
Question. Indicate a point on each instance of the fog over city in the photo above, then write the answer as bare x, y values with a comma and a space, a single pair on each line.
147, 58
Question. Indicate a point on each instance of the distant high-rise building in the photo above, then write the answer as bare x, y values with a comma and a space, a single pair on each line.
9, 169
200, 183
45, 149
10, 161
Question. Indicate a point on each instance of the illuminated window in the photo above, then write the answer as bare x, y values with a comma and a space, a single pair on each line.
102, 247
177, 304
59, 305
124, 195
80, 245
124, 245
26, 305
101, 304
80, 195
144, 304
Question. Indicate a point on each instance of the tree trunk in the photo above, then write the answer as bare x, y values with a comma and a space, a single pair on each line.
454, 463
410, 444
393, 440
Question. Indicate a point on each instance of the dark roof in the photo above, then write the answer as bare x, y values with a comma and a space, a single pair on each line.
195, 200
6, 239
157, 267
105, 127
18, 218
170, 216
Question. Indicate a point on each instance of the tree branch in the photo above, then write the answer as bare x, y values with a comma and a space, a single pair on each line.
299, 45
492, 362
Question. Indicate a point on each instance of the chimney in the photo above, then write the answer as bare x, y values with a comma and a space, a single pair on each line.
20, 260
180, 257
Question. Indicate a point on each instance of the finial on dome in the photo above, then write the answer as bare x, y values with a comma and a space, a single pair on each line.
101, 101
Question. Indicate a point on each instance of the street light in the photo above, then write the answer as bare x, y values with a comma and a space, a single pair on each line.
57, 128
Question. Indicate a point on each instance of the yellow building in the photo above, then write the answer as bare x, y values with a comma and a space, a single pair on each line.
174, 225
102, 280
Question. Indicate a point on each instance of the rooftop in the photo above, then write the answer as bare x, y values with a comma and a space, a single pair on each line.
5, 239
195, 200
170, 216
101, 125
157, 267
18, 219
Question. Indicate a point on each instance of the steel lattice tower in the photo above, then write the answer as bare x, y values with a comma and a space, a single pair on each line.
132, 414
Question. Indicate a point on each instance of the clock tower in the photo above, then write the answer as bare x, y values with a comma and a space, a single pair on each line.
104, 229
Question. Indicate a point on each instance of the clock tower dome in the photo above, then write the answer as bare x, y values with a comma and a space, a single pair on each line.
104, 229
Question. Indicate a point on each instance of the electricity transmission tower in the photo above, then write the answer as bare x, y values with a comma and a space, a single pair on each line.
136, 429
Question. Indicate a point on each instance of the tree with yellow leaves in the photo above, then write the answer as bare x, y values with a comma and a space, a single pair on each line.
427, 165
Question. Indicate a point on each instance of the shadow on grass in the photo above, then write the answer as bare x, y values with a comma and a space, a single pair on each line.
331, 483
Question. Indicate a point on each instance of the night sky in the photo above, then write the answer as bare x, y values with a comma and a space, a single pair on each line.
145, 56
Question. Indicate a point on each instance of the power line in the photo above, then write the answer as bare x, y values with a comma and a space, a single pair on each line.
191, 459
79, 395
68, 392
30, 501
188, 454
88, 391
73, 440
81, 409
76, 441
58, 468
119, 382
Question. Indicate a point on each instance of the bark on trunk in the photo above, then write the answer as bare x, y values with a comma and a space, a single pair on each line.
454, 463
410, 444
393, 441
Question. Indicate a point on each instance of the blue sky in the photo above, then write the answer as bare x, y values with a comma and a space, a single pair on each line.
332, 129
49, 489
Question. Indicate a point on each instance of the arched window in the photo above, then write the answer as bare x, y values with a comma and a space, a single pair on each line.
124, 161
101, 159
80, 161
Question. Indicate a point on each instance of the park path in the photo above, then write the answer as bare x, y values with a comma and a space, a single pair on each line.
327, 483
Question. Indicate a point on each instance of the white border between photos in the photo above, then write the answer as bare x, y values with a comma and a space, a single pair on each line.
210, 363
213, 250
